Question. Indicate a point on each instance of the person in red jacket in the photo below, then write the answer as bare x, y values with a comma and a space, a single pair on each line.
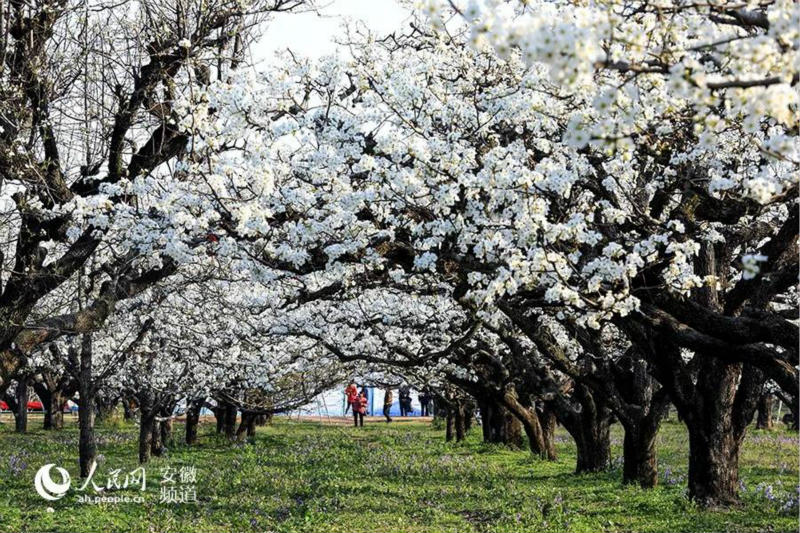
351, 393
360, 408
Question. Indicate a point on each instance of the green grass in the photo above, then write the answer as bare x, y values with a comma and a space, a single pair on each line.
302, 476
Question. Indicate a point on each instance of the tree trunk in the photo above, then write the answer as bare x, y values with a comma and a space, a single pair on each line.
21, 413
713, 467
594, 450
128, 409
639, 455
147, 418
725, 404
166, 426
459, 422
589, 426
219, 416
450, 425
547, 419
247, 426
636, 386
765, 403
56, 410
87, 445
792, 418
156, 444
230, 421
192, 421
505, 425
105, 409
469, 416
146, 424
43, 392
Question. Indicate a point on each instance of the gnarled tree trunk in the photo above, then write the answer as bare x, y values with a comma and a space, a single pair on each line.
166, 424
500, 425
219, 416
105, 407
192, 421
247, 426
21, 411
589, 427
459, 417
647, 405
229, 426
717, 421
548, 421
56, 410
147, 424
639, 455
128, 408
765, 403
156, 444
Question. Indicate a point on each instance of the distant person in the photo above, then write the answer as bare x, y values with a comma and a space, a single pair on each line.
405, 400
365, 392
360, 408
387, 403
351, 393
424, 402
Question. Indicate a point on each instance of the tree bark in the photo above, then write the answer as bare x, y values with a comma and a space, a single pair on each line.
56, 411
87, 444
450, 425
639, 455
594, 451
459, 422
192, 421
156, 444
548, 421
765, 403
717, 423
219, 416
589, 427
726, 400
128, 409
21, 413
713, 466
230, 421
247, 426
504, 422
469, 415
166, 425
105, 408
43, 392
147, 418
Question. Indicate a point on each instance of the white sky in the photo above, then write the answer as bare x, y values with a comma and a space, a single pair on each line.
312, 34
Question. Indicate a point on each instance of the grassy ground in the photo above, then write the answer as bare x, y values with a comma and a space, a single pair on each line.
303, 476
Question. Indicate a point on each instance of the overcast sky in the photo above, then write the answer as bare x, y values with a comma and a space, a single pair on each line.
312, 35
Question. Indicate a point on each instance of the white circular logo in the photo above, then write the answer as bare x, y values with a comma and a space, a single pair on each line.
46, 487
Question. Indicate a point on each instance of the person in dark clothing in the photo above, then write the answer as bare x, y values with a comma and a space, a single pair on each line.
360, 408
405, 400
424, 402
387, 403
